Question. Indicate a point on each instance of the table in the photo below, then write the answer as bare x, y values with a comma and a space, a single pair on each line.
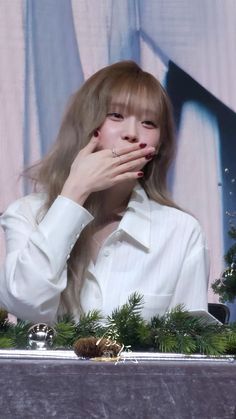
70, 388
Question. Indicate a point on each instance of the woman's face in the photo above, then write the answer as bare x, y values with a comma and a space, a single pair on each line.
121, 128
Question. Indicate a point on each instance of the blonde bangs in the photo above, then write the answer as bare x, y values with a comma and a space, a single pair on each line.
137, 94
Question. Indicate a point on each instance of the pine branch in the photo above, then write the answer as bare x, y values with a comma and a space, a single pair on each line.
180, 332
65, 333
6, 342
231, 338
90, 325
177, 331
225, 287
131, 329
18, 333
230, 256
209, 343
232, 232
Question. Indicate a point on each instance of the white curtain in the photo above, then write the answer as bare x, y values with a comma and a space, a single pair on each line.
197, 177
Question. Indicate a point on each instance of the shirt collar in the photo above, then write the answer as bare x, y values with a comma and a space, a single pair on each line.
136, 221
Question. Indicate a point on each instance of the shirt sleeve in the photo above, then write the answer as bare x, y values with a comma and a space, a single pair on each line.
34, 274
192, 285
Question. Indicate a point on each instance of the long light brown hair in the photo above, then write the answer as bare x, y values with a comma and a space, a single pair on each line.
126, 84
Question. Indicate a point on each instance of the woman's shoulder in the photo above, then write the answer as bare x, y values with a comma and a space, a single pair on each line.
174, 216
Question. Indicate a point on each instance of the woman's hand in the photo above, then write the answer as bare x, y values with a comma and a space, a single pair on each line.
94, 170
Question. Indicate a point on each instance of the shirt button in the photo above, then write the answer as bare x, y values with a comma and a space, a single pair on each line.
77, 236
106, 253
82, 225
68, 257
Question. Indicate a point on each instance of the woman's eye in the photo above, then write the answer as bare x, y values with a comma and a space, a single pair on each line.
149, 124
115, 115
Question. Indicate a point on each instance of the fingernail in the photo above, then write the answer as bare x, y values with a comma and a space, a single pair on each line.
142, 145
149, 156
140, 174
96, 133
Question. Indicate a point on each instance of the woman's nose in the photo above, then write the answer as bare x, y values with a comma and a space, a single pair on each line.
130, 131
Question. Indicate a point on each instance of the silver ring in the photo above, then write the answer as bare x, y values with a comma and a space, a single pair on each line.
114, 153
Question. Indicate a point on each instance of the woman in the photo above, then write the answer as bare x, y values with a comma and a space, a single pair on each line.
102, 225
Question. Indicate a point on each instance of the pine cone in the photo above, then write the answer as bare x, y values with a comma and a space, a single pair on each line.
93, 347
3, 317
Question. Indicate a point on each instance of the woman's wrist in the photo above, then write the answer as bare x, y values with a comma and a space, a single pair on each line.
79, 195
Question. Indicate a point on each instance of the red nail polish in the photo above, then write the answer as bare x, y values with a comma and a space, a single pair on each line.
149, 156
140, 174
142, 145
96, 133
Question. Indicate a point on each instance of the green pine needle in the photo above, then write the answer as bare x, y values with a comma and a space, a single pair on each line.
18, 333
178, 331
231, 338
65, 334
90, 325
131, 329
6, 342
225, 287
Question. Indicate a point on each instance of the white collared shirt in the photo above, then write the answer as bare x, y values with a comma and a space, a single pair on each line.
156, 250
